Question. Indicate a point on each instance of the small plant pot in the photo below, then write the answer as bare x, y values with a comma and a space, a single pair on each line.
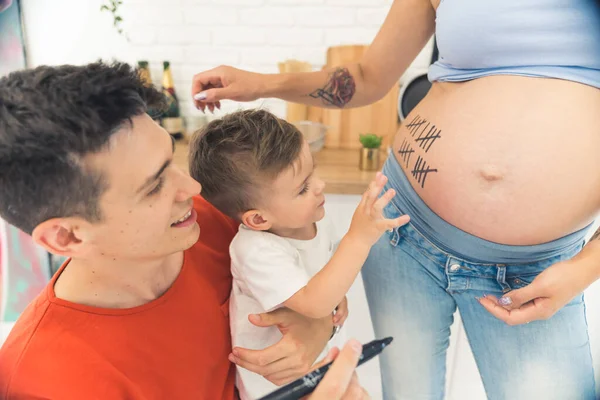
369, 159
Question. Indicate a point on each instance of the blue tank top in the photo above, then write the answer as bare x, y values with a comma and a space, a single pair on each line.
536, 38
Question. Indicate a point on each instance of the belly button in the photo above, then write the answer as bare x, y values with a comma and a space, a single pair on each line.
491, 173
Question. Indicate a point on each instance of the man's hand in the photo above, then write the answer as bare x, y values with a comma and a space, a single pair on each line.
341, 382
549, 292
293, 356
341, 313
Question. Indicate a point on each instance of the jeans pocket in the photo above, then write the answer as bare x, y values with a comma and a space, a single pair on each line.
521, 280
518, 276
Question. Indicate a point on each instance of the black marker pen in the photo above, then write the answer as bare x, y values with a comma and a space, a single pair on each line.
308, 383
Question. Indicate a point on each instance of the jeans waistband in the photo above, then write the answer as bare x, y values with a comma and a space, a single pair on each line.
452, 240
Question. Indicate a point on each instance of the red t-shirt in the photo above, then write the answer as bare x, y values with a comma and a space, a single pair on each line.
174, 347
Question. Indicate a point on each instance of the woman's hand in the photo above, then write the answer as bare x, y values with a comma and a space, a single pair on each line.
293, 356
549, 292
341, 382
209, 87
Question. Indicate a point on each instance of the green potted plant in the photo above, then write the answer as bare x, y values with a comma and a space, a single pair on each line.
370, 152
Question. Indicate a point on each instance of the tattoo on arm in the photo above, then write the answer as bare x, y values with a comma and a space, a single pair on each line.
339, 89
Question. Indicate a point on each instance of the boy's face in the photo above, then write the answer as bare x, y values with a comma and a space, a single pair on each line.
296, 199
146, 195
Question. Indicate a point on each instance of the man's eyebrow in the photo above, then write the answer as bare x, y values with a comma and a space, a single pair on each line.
161, 169
155, 176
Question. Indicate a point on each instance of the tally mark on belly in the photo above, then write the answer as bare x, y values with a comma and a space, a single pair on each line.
421, 170
425, 140
406, 151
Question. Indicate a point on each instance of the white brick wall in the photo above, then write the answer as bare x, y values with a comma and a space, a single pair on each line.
199, 34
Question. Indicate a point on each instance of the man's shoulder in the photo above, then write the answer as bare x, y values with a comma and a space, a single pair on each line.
24, 330
43, 358
51, 375
211, 217
20, 352
216, 233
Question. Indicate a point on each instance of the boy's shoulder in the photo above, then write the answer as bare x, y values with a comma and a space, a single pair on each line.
248, 241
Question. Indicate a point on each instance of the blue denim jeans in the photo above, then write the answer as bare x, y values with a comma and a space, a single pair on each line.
414, 288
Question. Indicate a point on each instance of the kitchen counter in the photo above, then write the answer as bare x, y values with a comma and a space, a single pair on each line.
337, 167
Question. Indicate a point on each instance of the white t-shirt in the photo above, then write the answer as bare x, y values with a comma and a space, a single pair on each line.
267, 270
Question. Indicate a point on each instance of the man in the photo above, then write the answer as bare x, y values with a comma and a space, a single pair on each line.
139, 311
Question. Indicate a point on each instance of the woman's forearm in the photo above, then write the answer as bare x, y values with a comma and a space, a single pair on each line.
346, 86
408, 26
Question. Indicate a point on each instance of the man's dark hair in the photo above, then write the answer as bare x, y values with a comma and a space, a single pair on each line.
236, 157
51, 117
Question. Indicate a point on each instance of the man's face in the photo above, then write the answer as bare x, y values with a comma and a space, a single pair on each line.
146, 197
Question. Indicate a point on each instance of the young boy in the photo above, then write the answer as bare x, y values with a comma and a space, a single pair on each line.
258, 169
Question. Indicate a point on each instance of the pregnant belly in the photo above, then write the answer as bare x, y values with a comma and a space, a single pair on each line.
512, 160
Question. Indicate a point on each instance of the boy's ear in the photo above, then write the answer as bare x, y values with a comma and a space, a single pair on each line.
256, 220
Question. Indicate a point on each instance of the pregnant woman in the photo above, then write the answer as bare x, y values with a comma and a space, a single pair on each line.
498, 169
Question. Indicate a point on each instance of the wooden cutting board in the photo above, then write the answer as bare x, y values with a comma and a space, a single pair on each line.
345, 126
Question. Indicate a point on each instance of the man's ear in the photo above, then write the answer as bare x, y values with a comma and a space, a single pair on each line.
256, 220
61, 236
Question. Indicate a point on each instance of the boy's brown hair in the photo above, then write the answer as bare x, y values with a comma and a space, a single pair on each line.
236, 157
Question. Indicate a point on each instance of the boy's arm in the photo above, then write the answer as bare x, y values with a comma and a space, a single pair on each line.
329, 286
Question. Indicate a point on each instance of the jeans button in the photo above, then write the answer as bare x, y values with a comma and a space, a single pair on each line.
454, 267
